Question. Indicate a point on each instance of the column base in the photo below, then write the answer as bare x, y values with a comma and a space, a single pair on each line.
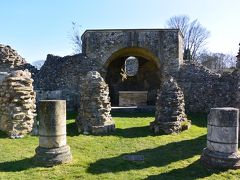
52, 156
218, 160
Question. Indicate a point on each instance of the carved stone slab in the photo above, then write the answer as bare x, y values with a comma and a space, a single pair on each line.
133, 157
131, 66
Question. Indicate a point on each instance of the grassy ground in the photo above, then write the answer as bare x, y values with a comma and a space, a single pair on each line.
100, 157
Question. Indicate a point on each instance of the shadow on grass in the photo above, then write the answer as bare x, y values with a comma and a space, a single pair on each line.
133, 132
71, 115
191, 172
133, 114
157, 157
72, 129
198, 119
3, 135
18, 165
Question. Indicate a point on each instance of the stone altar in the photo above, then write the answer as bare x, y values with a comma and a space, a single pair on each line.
132, 98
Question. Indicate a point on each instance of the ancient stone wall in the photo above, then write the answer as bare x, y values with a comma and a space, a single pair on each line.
236, 89
17, 103
164, 44
159, 53
60, 78
236, 77
159, 47
10, 60
204, 89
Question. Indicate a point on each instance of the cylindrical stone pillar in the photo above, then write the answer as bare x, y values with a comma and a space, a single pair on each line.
222, 139
53, 148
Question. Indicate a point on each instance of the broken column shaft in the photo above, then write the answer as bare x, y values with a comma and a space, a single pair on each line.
53, 148
222, 139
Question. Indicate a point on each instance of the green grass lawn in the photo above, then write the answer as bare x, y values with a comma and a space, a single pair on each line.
101, 157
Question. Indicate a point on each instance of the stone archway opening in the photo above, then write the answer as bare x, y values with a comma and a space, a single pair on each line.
137, 90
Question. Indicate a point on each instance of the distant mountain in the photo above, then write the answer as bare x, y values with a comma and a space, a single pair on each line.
38, 64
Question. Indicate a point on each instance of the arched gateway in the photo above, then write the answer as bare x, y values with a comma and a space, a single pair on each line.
159, 52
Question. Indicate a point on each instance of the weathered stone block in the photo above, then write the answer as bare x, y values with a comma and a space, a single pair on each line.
132, 98
228, 116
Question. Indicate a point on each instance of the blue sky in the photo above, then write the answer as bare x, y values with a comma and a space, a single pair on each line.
37, 28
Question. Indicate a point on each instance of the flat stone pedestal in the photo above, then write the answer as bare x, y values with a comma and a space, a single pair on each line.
53, 148
222, 139
132, 98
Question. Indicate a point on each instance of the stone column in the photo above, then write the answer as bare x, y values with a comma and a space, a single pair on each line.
222, 139
53, 148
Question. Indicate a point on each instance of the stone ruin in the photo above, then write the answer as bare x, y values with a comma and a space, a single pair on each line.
94, 112
160, 65
10, 60
237, 82
222, 139
159, 53
17, 95
170, 114
53, 148
17, 103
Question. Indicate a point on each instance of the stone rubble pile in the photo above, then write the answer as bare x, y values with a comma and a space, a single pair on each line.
9, 58
94, 112
17, 103
170, 114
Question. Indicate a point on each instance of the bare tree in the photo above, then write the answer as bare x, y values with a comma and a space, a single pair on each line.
195, 35
76, 38
217, 61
